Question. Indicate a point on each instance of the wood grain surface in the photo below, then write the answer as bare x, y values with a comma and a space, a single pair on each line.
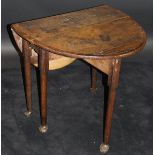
100, 36
99, 32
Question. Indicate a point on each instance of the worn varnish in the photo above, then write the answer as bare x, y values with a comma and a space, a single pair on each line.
100, 36
97, 32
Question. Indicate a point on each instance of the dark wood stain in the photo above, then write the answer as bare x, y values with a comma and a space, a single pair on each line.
94, 30
105, 37
101, 36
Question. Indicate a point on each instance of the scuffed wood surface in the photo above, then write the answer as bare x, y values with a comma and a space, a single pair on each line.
99, 32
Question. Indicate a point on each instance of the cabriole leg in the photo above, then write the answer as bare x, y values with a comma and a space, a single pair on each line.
113, 84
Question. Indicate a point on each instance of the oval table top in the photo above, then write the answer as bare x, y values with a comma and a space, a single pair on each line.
98, 32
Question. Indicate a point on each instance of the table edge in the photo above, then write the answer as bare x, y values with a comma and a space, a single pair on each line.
83, 56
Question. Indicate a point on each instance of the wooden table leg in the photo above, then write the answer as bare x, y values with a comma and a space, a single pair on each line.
43, 67
27, 77
93, 79
113, 84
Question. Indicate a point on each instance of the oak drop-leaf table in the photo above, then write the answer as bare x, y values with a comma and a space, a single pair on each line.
101, 36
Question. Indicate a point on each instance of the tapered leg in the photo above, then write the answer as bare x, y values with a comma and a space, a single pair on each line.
93, 79
43, 67
113, 84
27, 77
